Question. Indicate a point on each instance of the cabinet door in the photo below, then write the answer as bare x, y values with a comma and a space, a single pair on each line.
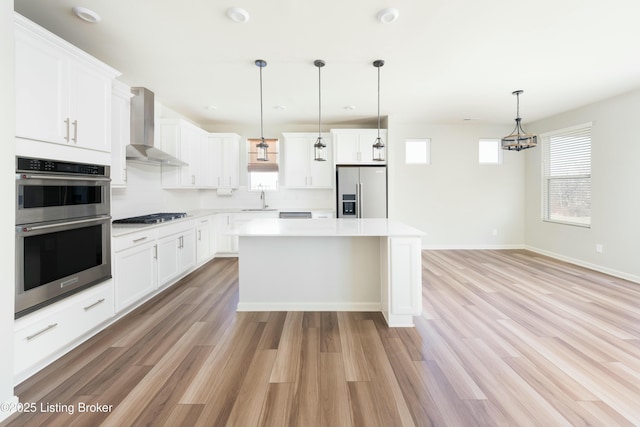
208, 174
168, 258
91, 108
346, 148
135, 274
231, 162
42, 88
203, 249
187, 251
224, 242
296, 161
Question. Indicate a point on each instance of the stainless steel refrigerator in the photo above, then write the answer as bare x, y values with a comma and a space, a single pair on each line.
362, 191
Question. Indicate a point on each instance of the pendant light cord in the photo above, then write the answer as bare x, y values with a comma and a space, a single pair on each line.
319, 101
261, 121
378, 103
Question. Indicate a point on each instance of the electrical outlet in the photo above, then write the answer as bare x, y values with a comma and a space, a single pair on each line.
599, 248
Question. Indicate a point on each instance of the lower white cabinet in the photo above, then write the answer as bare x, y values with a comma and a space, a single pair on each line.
135, 267
203, 239
225, 244
176, 253
49, 332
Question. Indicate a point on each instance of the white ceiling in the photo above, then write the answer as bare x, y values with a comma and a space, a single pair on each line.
446, 60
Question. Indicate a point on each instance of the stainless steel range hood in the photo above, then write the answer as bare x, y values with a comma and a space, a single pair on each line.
141, 148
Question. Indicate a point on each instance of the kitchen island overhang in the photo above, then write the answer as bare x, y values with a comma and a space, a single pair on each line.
331, 265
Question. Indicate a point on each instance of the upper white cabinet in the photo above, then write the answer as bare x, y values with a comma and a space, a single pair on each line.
300, 168
120, 132
355, 146
63, 95
185, 141
224, 169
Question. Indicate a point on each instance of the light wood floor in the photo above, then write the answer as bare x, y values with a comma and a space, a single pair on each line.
508, 338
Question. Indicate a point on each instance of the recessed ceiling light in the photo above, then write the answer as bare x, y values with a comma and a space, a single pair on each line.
279, 107
211, 107
237, 14
388, 15
350, 107
86, 14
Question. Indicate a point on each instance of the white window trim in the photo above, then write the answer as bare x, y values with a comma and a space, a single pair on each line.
542, 137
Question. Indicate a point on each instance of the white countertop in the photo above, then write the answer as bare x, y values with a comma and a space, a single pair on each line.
122, 229
325, 227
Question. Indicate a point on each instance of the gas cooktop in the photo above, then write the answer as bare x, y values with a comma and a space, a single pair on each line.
154, 218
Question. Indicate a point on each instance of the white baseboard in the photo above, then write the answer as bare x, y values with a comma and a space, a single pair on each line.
472, 247
299, 306
8, 408
585, 264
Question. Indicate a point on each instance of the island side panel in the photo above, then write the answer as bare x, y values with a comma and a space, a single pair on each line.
405, 281
309, 273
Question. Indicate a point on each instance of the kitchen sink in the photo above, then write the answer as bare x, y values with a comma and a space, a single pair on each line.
259, 210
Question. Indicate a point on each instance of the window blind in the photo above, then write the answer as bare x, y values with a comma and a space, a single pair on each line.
566, 186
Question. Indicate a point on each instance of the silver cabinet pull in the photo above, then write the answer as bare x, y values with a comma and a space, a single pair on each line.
140, 239
155, 251
75, 131
66, 122
48, 328
199, 234
89, 307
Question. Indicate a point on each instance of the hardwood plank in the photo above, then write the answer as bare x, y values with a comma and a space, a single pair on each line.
334, 395
251, 396
355, 364
287, 364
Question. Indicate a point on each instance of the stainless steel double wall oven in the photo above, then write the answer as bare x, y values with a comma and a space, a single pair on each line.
63, 230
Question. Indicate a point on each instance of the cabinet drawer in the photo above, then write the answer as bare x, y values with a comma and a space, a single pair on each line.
131, 240
42, 334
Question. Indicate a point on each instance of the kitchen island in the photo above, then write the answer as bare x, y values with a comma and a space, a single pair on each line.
331, 265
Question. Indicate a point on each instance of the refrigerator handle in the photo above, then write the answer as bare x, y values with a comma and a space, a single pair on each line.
359, 200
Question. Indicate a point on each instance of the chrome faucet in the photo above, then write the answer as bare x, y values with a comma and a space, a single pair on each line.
264, 200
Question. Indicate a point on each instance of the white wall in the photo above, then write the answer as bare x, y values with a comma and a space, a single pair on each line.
615, 208
7, 192
456, 201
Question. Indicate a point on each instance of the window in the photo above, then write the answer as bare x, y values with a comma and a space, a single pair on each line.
489, 152
566, 176
418, 151
263, 175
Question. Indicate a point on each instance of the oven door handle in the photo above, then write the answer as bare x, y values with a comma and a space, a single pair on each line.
62, 178
62, 224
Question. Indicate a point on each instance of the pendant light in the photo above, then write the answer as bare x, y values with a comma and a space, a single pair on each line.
519, 139
319, 148
378, 145
262, 147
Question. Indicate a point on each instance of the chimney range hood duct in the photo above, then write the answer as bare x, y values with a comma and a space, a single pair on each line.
141, 148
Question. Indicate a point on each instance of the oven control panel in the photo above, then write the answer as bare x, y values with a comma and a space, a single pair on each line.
26, 164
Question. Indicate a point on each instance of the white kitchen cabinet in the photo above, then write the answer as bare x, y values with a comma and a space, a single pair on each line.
63, 95
176, 251
185, 141
225, 164
120, 132
225, 244
135, 265
203, 238
300, 168
355, 146
49, 332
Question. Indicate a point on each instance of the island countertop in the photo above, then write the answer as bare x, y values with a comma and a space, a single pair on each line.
326, 227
